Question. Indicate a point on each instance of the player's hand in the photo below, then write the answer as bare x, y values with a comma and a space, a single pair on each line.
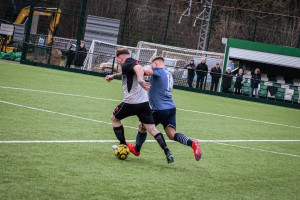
145, 85
109, 78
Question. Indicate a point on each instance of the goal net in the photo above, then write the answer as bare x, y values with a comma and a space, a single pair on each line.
181, 57
165, 48
101, 56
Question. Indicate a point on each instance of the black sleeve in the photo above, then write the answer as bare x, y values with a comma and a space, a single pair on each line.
127, 67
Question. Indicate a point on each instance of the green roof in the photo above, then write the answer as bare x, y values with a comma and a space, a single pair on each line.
263, 47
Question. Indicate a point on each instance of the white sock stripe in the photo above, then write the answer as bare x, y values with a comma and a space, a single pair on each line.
182, 138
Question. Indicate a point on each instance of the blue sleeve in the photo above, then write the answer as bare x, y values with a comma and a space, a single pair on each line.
156, 72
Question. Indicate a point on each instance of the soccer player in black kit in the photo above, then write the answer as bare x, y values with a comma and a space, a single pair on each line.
135, 102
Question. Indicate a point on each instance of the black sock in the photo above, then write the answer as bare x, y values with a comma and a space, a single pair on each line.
162, 143
119, 131
140, 139
183, 139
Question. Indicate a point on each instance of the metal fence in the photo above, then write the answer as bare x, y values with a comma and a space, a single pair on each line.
157, 22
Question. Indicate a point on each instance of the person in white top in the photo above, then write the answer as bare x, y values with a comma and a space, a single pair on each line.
135, 102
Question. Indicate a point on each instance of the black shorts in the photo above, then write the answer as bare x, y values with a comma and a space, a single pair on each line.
165, 117
142, 111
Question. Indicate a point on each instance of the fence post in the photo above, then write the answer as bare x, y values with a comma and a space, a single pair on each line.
113, 66
254, 33
81, 22
54, 31
167, 26
27, 31
124, 22
298, 46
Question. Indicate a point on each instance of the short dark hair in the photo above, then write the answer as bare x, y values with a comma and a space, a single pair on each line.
158, 58
121, 51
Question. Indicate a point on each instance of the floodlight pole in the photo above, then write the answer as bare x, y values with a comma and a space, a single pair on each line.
205, 18
188, 11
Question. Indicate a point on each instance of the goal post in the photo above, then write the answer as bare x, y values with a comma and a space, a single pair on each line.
101, 53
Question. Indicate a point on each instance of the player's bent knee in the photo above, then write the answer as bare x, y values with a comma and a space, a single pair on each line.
142, 128
115, 121
171, 137
170, 132
151, 128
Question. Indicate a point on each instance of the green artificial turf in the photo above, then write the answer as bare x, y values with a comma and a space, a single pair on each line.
38, 104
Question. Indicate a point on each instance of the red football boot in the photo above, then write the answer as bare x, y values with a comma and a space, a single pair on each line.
132, 149
197, 150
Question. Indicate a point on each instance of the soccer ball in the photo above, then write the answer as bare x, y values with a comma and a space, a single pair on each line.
121, 151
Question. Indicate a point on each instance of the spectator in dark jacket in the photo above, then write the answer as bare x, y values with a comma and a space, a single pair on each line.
239, 82
215, 73
226, 80
255, 80
80, 55
191, 72
201, 72
70, 56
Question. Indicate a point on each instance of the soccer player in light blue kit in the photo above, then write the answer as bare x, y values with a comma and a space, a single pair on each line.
163, 108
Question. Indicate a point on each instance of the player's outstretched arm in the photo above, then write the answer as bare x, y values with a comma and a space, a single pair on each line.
148, 71
138, 69
109, 78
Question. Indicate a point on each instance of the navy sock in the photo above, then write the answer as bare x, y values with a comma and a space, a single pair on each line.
119, 132
183, 139
140, 139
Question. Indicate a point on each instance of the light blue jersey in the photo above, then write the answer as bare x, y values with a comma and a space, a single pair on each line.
160, 93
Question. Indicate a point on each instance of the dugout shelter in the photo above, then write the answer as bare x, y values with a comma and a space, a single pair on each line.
272, 59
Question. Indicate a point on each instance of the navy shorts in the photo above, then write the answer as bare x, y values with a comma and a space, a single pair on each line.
165, 117
142, 111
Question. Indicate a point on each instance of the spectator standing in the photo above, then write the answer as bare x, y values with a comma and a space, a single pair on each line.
255, 80
201, 72
191, 72
227, 78
70, 56
215, 73
80, 55
239, 82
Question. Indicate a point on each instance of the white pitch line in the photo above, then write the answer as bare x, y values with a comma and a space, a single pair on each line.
220, 142
256, 149
63, 141
58, 113
114, 141
245, 141
240, 118
59, 93
194, 111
